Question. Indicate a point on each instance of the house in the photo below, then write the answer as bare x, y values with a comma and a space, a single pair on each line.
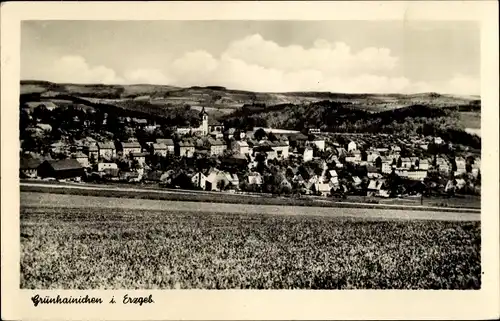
353, 157
230, 133
61, 169
443, 165
215, 126
356, 180
233, 179
406, 162
186, 148
318, 141
395, 149
141, 122
281, 148
372, 155
322, 188
386, 167
414, 161
417, 175
199, 180
308, 154
382, 150
254, 178
423, 164
372, 172
111, 173
59, 147
139, 157
169, 143
101, 167
240, 146
106, 150
341, 151
28, 167
216, 181
461, 165
297, 139
351, 146
159, 149
128, 148
455, 184
376, 187
217, 147
438, 141
93, 151
45, 127
82, 159
476, 167
402, 172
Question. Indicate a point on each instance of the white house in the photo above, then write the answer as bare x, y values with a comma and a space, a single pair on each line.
240, 146
322, 188
130, 147
255, 178
186, 148
139, 157
308, 154
160, 149
82, 159
281, 148
103, 166
106, 150
461, 165
319, 142
199, 180
351, 146
169, 143
217, 147
417, 175
423, 164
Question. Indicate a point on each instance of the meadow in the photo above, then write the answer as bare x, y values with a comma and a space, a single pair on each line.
119, 248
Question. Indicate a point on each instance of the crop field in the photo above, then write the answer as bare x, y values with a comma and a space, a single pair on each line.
119, 248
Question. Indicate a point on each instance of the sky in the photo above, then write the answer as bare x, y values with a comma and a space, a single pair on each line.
267, 56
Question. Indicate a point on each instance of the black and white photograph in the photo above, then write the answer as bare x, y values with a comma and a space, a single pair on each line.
226, 161
250, 155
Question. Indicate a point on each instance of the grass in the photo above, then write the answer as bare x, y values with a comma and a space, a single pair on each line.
86, 248
470, 119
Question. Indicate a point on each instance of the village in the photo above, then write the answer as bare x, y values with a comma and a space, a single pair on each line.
211, 157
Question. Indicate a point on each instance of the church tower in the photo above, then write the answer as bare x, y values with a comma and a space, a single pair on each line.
204, 122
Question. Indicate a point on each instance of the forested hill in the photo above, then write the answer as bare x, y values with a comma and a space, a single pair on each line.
345, 117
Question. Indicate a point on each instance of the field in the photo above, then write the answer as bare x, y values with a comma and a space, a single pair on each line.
117, 247
226, 99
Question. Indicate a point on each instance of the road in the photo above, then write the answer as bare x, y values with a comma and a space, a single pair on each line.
41, 200
215, 194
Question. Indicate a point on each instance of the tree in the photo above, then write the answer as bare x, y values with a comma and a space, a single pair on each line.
260, 134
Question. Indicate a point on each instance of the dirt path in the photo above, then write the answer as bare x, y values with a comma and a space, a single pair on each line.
33, 199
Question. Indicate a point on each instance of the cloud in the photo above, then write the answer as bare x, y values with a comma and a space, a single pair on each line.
75, 69
147, 76
462, 84
331, 58
254, 63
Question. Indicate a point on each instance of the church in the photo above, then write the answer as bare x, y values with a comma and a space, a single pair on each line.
202, 129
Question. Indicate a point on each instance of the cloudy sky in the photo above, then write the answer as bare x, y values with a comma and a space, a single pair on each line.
336, 56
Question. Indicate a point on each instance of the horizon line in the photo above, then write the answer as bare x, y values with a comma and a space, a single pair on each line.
251, 91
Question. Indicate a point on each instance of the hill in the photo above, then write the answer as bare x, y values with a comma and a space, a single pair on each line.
223, 98
160, 100
331, 116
